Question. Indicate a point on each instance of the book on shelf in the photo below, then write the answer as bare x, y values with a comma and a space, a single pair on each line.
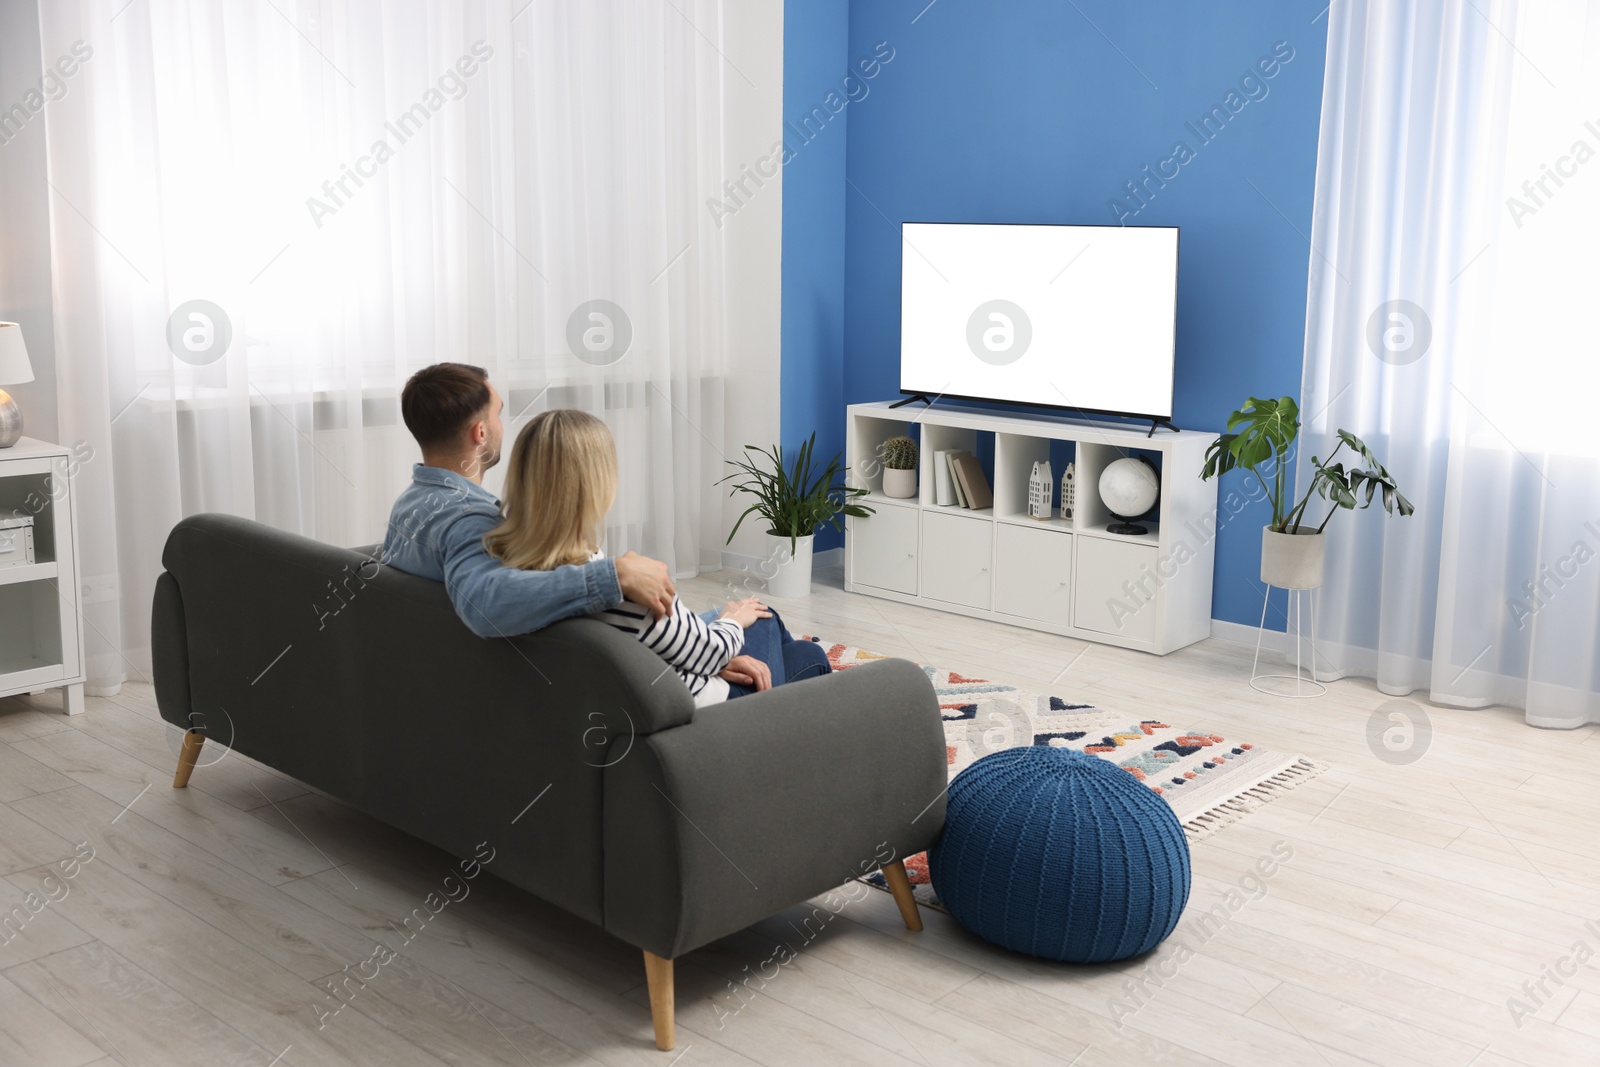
944, 491
969, 473
955, 484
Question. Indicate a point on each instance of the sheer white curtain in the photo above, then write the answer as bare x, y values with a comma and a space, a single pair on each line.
358, 190
1450, 324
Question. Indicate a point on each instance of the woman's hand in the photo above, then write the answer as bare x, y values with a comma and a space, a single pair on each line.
748, 671
745, 611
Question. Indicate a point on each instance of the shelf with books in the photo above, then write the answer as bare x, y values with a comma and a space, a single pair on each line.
957, 468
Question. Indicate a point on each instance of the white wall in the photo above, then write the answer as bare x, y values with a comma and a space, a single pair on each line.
753, 43
25, 221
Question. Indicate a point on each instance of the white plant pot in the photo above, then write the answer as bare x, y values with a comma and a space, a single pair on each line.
788, 573
901, 484
1292, 560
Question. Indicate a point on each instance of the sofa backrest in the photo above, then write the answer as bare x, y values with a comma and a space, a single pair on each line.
360, 680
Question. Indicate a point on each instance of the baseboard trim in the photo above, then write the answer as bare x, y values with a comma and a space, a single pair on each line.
738, 561
1240, 634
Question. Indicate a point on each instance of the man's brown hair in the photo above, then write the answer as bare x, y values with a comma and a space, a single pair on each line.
439, 402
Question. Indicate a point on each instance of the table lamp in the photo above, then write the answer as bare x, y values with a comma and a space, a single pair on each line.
14, 370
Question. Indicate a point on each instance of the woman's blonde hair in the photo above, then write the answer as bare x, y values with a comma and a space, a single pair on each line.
560, 482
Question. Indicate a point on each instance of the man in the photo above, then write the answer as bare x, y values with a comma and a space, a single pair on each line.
437, 525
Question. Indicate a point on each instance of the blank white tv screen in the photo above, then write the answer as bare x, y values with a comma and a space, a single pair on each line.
1064, 316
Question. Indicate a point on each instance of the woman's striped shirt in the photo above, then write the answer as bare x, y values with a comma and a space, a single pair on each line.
699, 650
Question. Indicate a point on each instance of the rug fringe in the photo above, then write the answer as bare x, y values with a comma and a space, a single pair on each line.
1226, 813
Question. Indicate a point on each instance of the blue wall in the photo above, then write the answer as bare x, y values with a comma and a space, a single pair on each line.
1026, 112
815, 36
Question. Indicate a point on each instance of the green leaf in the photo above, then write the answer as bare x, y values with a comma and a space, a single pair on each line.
1261, 433
1253, 451
792, 496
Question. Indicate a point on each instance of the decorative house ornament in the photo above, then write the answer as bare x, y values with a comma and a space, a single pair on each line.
1041, 491
1069, 490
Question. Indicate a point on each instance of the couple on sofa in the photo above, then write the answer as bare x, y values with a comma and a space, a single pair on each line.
538, 560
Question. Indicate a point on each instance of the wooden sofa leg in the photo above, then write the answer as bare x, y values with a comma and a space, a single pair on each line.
190, 753
658, 974
894, 873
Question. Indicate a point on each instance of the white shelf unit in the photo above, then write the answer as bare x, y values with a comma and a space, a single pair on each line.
41, 619
1074, 577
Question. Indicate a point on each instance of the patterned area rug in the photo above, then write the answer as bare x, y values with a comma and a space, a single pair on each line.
1209, 780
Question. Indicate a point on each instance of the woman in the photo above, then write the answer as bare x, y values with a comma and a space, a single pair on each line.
560, 483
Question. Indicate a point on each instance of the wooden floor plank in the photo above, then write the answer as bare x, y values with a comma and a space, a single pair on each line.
225, 980
20, 720
22, 776
32, 925
130, 1014
220, 772
289, 933
32, 1035
24, 843
220, 829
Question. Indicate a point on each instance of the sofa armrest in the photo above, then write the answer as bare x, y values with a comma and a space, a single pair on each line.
764, 801
169, 652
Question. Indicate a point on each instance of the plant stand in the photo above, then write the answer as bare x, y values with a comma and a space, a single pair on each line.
1298, 686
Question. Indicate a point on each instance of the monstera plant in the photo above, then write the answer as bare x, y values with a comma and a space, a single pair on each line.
1259, 439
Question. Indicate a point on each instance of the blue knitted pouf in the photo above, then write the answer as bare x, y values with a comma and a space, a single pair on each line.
1058, 854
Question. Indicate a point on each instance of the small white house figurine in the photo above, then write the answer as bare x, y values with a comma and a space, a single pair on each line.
1069, 490
1041, 487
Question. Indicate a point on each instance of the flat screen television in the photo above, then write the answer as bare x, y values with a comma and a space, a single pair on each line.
1077, 317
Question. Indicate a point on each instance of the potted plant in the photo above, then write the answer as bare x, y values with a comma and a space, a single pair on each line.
1259, 438
900, 467
795, 500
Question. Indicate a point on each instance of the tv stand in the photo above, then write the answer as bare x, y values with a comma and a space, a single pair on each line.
911, 399
1083, 575
1160, 422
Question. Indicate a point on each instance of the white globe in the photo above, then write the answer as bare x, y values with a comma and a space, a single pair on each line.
1129, 487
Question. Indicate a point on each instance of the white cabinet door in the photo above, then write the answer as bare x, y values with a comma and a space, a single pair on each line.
1033, 573
883, 549
1103, 602
956, 556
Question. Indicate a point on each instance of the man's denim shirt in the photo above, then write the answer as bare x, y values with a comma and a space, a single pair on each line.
436, 531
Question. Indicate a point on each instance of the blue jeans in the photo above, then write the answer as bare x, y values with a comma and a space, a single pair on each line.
789, 660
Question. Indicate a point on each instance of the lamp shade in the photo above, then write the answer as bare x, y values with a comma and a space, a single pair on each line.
14, 366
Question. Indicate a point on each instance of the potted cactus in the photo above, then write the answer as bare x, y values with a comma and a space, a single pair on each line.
899, 467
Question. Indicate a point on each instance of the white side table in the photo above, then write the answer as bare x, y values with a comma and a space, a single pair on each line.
41, 608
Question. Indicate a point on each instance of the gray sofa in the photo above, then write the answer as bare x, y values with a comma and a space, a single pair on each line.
594, 778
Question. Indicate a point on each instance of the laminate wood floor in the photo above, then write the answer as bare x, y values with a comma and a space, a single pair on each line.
1442, 911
